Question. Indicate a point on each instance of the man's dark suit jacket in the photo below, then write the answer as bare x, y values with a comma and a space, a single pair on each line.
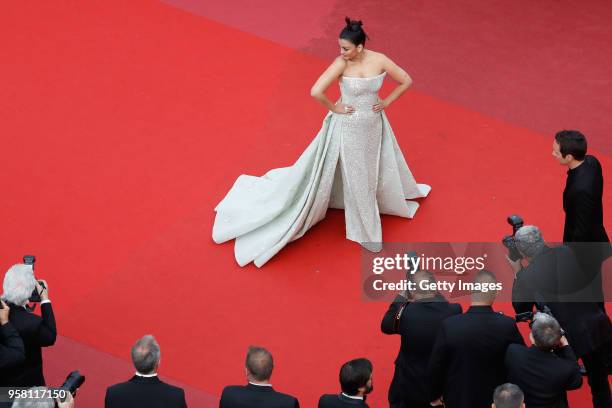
467, 360
340, 401
543, 376
548, 279
36, 332
238, 396
12, 351
582, 202
418, 327
144, 392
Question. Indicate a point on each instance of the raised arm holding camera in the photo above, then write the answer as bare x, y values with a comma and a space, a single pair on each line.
417, 321
548, 369
545, 282
36, 331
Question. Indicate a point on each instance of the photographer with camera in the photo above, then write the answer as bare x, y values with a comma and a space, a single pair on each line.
545, 283
548, 369
36, 331
416, 319
12, 351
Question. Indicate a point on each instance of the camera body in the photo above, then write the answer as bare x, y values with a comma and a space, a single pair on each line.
35, 296
508, 241
529, 316
73, 382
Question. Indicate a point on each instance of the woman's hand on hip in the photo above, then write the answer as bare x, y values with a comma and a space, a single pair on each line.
344, 109
380, 106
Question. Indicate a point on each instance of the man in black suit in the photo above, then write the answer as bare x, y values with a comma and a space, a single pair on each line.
12, 351
548, 369
417, 321
548, 280
467, 360
355, 382
508, 396
582, 203
258, 392
35, 331
145, 389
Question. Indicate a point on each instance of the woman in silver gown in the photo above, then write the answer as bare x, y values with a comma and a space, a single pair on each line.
354, 163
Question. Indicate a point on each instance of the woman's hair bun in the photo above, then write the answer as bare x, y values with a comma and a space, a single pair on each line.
353, 32
353, 25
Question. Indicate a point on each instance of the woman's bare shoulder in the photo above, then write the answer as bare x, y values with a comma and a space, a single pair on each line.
339, 61
377, 55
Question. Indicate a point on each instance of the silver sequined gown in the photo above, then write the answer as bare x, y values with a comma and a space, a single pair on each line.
354, 163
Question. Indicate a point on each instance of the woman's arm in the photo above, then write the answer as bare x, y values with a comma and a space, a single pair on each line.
328, 77
400, 76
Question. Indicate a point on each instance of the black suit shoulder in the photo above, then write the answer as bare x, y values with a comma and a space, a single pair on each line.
336, 401
144, 392
160, 387
240, 396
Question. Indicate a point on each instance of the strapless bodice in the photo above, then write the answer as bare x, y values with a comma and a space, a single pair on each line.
361, 92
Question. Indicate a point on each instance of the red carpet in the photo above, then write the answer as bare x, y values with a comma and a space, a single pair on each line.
126, 122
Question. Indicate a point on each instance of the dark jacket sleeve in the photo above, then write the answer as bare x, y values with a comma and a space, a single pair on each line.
515, 335
107, 400
12, 351
522, 296
436, 369
47, 332
183, 402
582, 210
297, 403
574, 381
389, 318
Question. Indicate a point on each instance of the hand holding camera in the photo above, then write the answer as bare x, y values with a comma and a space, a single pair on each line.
41, 291
42, 288
68, 403
516, 222
4, 313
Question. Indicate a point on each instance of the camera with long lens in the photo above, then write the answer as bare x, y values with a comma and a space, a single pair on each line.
513, 253
35, 296
72, 384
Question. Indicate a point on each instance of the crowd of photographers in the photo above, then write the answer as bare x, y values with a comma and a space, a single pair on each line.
457, 359
447, 357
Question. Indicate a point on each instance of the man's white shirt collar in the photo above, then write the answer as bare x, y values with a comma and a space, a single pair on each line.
146, 375
260, 385
357, 397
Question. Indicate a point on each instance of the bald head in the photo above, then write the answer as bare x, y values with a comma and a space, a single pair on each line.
484, 279
259, 363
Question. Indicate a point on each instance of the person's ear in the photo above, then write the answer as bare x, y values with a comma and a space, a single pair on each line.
360, 47
531, 338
